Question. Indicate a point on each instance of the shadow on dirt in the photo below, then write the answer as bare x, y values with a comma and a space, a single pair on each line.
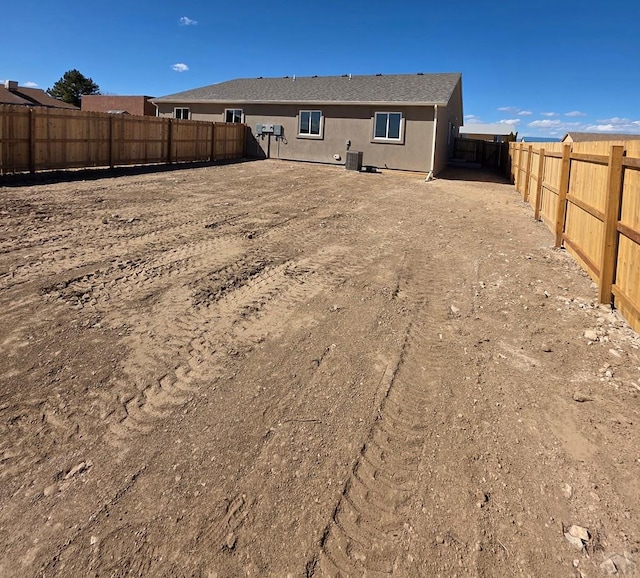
480, 175
93, 174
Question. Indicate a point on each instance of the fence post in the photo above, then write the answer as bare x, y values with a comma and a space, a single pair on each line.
520, 163
563, 189
110, 141
517, 169
32, 140
244, 141
3, 115
539, 185
213, 141
527, 182
169, 141
611, 217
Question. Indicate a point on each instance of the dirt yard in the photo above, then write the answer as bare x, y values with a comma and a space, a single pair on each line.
280, 369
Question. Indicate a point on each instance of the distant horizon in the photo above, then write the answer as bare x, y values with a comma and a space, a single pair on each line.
539, 85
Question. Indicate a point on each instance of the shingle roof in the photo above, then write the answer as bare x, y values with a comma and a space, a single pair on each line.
40, 97
8, 97
591, 136
26, 96
414, 88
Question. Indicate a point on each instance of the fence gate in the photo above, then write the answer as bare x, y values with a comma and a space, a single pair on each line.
484, 153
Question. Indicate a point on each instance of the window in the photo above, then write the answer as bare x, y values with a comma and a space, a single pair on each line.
182, 113
310, 123
233, 115
387, 126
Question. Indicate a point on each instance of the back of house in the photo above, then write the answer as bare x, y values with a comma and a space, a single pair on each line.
400, 121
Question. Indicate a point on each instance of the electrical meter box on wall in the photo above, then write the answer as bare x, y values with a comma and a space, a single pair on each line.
275, 129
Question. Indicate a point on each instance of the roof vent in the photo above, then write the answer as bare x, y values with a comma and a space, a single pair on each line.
285, 77
11, 84
420, 73
378, 74
315, 76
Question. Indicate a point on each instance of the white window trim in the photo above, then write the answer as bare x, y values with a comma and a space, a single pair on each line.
400, 139
241, 114
177, 108
318, 136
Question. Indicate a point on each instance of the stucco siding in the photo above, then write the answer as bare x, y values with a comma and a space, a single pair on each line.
341, 123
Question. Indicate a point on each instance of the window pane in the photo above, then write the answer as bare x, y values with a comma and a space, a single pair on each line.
304, 121
229, 116
394, 125
315, 122
237, 115
381, 125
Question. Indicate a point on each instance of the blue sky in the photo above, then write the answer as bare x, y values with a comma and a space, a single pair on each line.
548, 66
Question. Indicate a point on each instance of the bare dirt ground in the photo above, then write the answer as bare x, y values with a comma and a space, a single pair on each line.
279, 369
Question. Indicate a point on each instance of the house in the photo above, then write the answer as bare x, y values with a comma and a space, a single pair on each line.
399, 121
597, 136
138, 105
11, 93
497, 132
539, 139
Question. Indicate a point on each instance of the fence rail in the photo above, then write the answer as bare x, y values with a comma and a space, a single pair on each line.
588, 194
37, 139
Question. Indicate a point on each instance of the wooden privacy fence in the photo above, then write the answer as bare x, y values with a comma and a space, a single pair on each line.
38, 138
588, 194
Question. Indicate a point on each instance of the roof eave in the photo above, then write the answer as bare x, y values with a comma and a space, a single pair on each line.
305, 102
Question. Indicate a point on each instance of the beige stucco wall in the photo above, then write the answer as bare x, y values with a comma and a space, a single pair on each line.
448, 124
354, 123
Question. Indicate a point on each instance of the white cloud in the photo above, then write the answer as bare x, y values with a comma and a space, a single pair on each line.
601, 128
615, 120
509, 121
30, 84
549, 114
515, 110
575, 113
180, 67
545, 123
615, 124
186, 21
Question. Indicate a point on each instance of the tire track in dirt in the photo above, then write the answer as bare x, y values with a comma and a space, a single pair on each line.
371, 531
315, 276
238, 316
248, 299
185, 341
50, 261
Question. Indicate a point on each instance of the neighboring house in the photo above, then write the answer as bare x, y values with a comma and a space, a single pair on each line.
400, 121
539, 139
138, 105
11, 93
597, 136
497, 132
